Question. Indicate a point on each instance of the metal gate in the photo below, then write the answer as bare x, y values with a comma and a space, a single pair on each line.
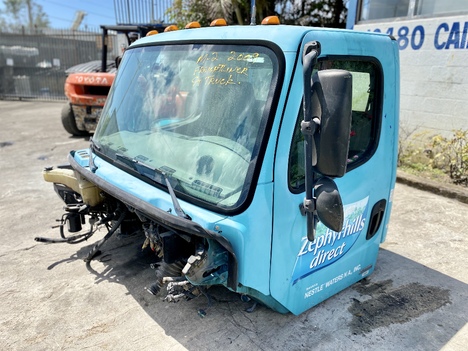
33, 65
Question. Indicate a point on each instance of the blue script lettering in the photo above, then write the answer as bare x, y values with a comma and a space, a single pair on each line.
447, 36
456, 38
437, 33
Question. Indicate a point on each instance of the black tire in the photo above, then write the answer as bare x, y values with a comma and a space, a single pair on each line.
68, 122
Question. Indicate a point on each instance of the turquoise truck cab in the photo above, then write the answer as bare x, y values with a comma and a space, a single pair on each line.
262, 158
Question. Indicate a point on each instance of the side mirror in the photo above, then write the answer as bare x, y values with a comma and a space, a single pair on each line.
326, 128
329, 204
331, 104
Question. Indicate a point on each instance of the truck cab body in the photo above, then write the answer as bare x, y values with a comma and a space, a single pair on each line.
201, 145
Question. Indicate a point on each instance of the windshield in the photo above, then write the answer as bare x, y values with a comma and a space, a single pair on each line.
195, 113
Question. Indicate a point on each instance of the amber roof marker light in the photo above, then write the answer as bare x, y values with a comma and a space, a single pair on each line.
219, 22
192, 25
171, 28
271, 20
151, 32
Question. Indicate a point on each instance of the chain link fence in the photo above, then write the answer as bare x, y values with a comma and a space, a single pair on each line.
33, 65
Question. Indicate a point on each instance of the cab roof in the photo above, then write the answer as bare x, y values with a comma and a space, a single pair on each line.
287, 37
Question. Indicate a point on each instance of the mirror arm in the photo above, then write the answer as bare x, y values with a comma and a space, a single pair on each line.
309, 127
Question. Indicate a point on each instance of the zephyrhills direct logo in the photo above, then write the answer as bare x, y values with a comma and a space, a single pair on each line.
330, 246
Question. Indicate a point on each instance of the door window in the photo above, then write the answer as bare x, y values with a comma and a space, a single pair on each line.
366, 115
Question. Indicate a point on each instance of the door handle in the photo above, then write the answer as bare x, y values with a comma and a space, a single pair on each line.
377, 215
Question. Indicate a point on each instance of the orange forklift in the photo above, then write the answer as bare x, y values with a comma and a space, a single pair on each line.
88, 84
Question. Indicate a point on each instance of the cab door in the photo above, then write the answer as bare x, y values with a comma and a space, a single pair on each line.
304, 273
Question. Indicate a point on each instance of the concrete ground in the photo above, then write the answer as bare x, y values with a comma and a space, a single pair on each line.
51, 300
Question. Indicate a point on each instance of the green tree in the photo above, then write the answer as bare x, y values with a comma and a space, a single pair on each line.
19, 13
323, 13
185, 11
316, 13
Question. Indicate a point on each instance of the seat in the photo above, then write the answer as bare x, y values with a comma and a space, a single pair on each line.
226, 110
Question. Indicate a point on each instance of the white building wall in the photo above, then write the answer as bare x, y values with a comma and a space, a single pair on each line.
433, 71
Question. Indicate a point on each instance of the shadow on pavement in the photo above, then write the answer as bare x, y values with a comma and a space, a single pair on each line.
403, 304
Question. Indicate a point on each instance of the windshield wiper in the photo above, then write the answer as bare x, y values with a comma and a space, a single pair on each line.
92, 146
150, 172
180, 212
127, 161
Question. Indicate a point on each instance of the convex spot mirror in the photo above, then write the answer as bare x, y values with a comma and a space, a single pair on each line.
332, 104
328, 203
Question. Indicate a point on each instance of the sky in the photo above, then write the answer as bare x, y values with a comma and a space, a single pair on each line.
62, 13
